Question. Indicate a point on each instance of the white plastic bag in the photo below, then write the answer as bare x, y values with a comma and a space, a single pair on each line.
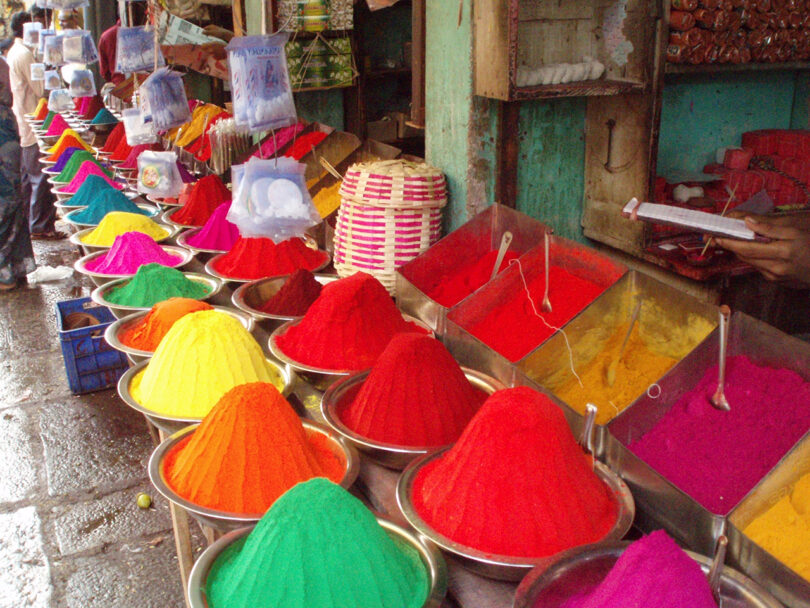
79, 47
49, 273
158, 174
52, 54
137, 129
166, 97
135, 50
60, 100
82, 84
31, 32
52, 80
37, 71
271, 200
260, 83
43, 36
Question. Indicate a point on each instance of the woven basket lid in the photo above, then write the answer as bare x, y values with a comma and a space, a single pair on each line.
395, 183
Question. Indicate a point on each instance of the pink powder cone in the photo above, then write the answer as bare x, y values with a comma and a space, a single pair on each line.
131, 161
129, 252
218, 233
58, 124
86, 169
283, 136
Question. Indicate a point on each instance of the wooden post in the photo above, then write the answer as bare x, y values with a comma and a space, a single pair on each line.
238, 7
418, 63
507, 153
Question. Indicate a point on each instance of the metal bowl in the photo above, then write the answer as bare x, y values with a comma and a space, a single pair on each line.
151, 210
48, 140
76, 239
136, 355
172, 424
431, 558
120, 311
225, 521
162, 201
250, 296
579, 570
203, 255
504, 567
209, 268
320, 378
166, 218
387, 454
99, 279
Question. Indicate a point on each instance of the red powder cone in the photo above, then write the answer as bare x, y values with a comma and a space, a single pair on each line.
257, 258
516, 483
295, 297
248, 451
416, 395
205, 196
348, 326
114, 138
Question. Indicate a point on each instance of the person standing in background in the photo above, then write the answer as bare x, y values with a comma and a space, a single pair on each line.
16, 254
27, 93
68, 19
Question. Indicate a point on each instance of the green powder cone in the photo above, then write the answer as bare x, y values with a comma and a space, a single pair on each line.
154, 283
104, 117
317, 546
76, 160
48, 120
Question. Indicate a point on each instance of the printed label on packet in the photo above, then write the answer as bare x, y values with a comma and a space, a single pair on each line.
150, 176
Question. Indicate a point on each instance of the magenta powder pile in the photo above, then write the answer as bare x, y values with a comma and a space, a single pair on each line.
718, 457
87, 169
129, 252
652, 572
218, 234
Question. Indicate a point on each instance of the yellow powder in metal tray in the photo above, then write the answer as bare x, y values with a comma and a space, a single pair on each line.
327, 200
203, 355
784, 529
117, 223
656, 344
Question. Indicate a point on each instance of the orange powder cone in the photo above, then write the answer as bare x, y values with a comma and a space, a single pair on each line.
147, 333
248, 451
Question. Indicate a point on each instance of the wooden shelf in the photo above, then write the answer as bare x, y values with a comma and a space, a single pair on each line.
585, 88
718, 68
385, 72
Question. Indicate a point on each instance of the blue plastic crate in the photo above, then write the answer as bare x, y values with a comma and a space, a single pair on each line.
90, 363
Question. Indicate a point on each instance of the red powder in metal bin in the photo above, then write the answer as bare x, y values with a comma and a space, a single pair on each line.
205, 196
453, 289
514, 330
257, 258
123, 149
416, 395
304, 144
718, 457
295, 297
516, 483
348, 326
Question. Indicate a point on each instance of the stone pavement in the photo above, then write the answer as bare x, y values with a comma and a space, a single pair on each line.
71, 466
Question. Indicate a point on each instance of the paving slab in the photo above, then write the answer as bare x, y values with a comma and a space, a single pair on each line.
20, 454
25, 579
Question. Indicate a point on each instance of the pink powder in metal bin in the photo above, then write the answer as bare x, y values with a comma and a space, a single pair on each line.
652, 572
718, 457
218, 234
129, 252
87, 169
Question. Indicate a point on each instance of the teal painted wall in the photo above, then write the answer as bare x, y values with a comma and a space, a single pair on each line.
322, 106
551, 177
702, 113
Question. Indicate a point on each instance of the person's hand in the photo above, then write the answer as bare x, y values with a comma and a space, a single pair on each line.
218, 32
785, 258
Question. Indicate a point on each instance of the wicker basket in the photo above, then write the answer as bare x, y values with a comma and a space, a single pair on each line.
395, 183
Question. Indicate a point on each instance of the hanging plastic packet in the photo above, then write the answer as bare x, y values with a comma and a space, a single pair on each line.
78, 47
52, 80
166, 96
52, 54
272, 200
67, 5
37, 71
138, 130
43, 36
82, 84
260, 83
31, 32
60, 100
136, 50
158, 174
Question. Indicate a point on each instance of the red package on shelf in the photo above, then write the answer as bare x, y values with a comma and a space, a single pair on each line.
715, 169
787, 144
762, 142
738, 158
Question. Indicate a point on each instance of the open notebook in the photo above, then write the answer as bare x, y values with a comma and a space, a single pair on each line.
700, 221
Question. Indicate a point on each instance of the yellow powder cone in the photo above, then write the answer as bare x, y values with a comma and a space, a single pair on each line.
117, 223
203, 356
68, 133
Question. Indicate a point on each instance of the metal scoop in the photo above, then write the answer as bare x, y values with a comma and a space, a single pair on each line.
546, 306
614, 365
716, 570
506, 240
719, 400
586, 440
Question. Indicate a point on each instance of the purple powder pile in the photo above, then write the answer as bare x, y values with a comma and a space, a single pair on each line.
652, 572
718, 457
